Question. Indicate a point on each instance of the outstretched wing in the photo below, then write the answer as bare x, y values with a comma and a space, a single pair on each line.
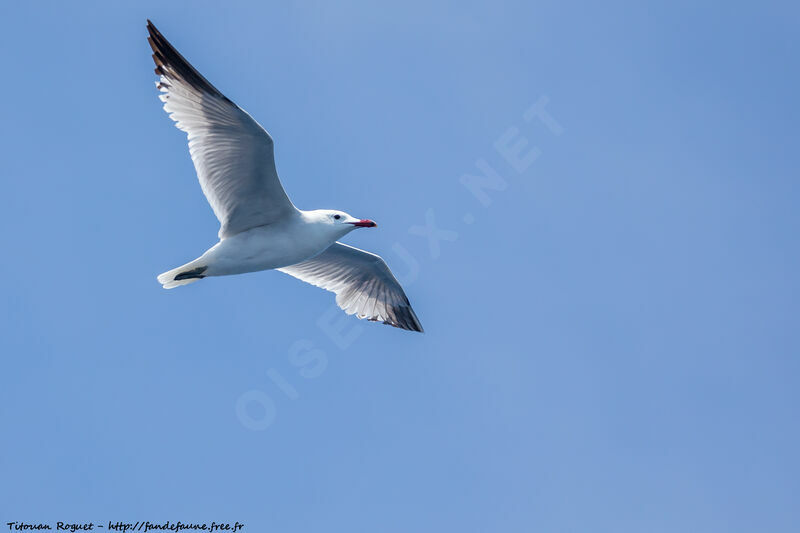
363, 284
232, 153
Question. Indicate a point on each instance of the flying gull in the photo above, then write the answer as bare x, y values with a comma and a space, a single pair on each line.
260, 228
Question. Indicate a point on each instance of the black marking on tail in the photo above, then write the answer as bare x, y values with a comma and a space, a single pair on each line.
194, 273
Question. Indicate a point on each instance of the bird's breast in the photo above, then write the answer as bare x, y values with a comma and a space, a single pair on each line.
264, 248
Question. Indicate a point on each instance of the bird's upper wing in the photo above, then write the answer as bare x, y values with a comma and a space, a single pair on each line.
232, 153
363, 284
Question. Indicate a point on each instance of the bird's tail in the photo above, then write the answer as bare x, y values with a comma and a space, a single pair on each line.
188, 273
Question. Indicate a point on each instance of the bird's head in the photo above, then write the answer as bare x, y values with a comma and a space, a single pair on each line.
340, 222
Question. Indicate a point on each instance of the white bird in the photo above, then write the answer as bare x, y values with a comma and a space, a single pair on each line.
260, 228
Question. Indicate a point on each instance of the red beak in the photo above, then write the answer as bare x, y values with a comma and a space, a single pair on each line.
364, 223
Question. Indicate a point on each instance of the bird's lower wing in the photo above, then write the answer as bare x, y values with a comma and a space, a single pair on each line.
362, 282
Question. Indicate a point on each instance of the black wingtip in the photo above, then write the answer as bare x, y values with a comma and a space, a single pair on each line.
417, 323
170, 63
404, 318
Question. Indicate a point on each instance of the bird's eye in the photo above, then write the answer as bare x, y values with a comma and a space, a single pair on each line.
337, 217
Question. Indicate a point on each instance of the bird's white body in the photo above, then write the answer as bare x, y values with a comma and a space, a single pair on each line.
283, 243
288, 241
265, 247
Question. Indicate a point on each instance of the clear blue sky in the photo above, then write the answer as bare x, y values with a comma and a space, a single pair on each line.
611, 344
